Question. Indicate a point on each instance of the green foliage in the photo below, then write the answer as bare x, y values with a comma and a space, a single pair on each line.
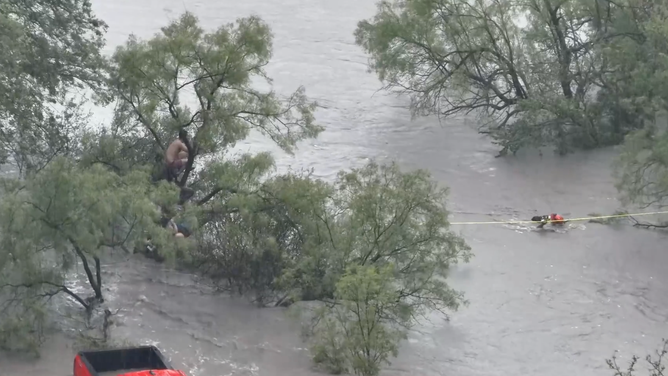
257, 230
374, 245
24, 329
354, 334
286, 237
392, 256
376, 238
373, 215
100, 197
641, 169
186, 78
59, 217
561, 78
655, 364
49, 51
154, 82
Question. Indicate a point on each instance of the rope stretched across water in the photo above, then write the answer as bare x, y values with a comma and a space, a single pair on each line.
565, 219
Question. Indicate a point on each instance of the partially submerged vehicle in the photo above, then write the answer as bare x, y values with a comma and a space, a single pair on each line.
133, 361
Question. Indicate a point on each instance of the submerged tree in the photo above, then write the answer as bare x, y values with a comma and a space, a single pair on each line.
100, 197
186, 78
537, 72
656, 366
50, 50
391, 254
642, 166
374, 247
50, 55
355, 335
58, 218
642, 169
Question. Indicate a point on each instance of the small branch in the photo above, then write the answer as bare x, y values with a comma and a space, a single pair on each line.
637, 223
192, 120
214, 192
60, 288
656, 364
142, 119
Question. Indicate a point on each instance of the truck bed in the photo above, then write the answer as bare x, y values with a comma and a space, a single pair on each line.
122, 371
121, 361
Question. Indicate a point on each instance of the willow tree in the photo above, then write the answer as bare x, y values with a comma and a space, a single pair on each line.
530, 69
50, 51
50, 54
374, 247
63, 219
641, 169
186, 78
289, 236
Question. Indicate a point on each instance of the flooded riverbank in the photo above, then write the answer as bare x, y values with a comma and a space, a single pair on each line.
541, 302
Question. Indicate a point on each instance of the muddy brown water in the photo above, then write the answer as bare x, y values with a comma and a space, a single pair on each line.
542, 303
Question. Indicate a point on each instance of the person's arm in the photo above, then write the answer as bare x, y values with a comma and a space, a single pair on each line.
183, 147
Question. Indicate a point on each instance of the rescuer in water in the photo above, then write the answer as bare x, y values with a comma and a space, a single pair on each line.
555, 219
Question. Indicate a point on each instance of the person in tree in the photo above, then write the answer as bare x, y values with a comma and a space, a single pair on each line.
173, 222
180, 230
553, 218
176, 156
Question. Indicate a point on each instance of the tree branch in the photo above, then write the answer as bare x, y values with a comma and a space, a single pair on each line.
60, 288
648, 225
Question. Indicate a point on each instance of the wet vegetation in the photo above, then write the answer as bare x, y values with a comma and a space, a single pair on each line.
372, 248
572, 75
653, 363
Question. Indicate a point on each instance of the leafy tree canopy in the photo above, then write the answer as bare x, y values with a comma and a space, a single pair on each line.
63, 216
50, 49
641, 168
187, 78
538, 72
374, 246
321, 241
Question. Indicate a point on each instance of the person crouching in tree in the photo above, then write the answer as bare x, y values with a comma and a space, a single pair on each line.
176, 156
177, 226
180, 230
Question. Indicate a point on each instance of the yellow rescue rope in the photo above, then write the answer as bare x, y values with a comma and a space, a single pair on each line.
565, 219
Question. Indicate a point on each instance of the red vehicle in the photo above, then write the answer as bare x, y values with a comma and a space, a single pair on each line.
134, 361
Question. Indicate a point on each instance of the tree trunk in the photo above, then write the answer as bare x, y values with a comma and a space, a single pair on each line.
98, 276
94, 281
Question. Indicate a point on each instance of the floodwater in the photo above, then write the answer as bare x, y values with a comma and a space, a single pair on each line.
542, 303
